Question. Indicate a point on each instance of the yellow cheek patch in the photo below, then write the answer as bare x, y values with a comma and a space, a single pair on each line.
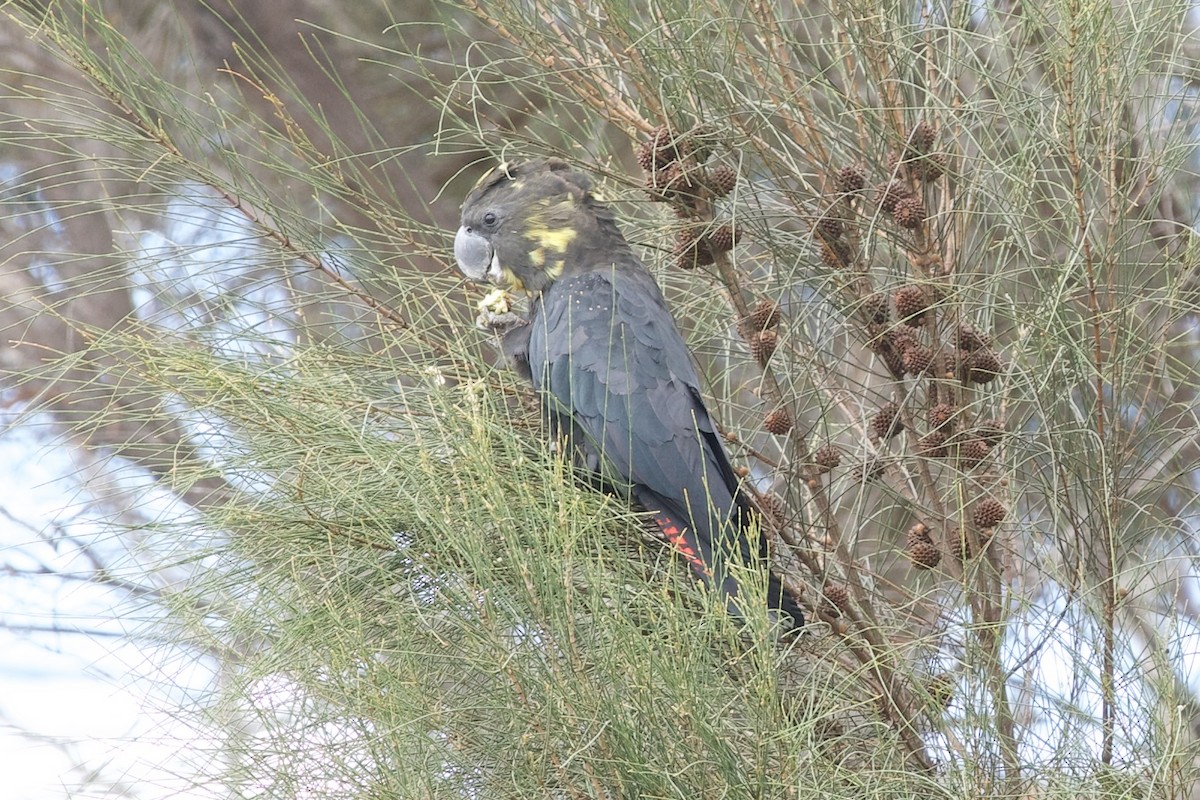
553, 267
554, 239
511, 280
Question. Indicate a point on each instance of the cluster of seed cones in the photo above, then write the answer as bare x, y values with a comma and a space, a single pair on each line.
918, 160
761, 330
926, 554
986, 514
897, 196
971, 359
908, 329
921, 549
969, 356
677, 174
915, 164
830, 231
914, 345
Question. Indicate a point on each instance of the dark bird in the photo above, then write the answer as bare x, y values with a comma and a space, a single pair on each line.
614, 375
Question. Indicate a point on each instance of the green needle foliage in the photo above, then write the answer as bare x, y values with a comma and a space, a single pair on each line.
937, 263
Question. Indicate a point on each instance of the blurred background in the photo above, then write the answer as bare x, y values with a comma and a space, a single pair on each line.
273, 523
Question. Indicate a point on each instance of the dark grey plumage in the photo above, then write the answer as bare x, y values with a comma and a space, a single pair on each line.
603, 351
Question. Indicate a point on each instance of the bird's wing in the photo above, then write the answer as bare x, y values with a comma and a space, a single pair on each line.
616, 376
607, 357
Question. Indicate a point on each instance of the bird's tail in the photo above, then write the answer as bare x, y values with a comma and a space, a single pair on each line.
696, 545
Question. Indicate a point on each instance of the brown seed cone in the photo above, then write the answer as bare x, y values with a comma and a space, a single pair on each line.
773, 506
691, 250
972, 452
676, 178
988, 513
745, 329
929, 168
911, 304
689, 261
991, 431
763, 344
664, 146
778, 422
889, 194
836, 254
826, 457
917, 360
869, 470
837, 594
902, 339
958, 545
924, 555
721, 180
645, 155
917, 533
920, 140
939, 415
909, 212
673, 183
887, 422
850, 180
653, 188
932, 444
969, 338
830, 227
983, 366
765, 315
723, 239
875, 309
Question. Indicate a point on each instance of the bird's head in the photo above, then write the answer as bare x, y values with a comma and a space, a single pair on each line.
523, 223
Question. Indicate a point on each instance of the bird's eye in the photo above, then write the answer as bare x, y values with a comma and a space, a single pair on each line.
489, 218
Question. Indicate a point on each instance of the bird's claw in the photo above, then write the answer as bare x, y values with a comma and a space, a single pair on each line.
496, 314
498, 324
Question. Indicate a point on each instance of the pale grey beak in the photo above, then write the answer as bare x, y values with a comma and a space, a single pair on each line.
473, 254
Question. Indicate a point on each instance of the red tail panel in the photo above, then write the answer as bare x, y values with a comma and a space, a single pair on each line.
680, 539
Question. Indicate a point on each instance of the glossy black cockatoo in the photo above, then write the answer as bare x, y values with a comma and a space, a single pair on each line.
614, 375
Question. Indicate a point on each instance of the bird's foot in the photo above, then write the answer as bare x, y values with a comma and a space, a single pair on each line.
496, 314
499, 324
